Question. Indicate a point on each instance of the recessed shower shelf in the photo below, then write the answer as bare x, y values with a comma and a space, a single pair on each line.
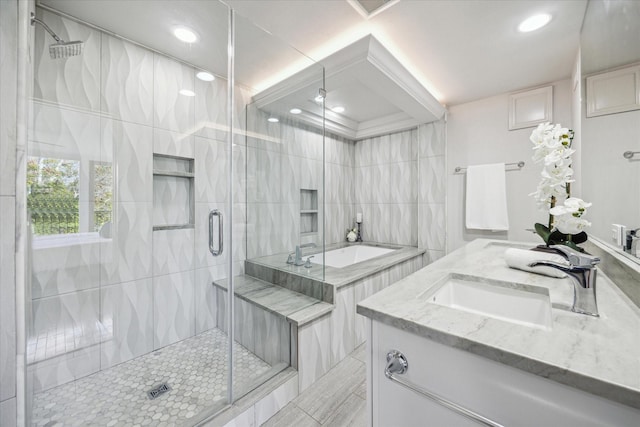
308, 212
173, 227
177, 174
173, 192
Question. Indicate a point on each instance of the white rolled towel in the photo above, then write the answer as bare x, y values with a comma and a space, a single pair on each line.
520, 259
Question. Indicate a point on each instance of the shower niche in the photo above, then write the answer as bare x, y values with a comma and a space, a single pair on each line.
173, 192
308, 212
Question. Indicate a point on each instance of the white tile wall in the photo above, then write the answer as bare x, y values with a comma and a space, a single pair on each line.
82, 70
314, 351
8, 415
173, 251
126, 81
8, 144
432, 190
81, 267
343, 324
171, 110
173, 143
173, 308
7, 299
8, 83
130, 147
128, 255
127, 312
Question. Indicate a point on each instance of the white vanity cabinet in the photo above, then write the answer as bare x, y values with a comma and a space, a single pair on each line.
504, 394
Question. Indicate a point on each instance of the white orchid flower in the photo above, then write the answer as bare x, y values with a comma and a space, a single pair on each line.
568, 224
576, 203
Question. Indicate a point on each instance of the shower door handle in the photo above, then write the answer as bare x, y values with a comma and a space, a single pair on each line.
217, 213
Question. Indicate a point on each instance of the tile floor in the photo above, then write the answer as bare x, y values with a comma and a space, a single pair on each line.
194, 368
337, 399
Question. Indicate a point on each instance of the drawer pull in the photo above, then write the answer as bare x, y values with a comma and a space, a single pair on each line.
397, 364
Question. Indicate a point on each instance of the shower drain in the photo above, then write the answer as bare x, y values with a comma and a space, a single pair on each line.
158, 390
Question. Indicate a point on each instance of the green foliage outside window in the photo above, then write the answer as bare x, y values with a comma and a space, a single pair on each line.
53, 187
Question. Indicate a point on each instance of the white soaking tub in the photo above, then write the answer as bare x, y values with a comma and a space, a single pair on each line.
343, 257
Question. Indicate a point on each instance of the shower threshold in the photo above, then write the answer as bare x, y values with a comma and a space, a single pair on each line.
195, 369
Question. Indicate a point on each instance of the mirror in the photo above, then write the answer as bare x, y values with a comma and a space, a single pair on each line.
609, 45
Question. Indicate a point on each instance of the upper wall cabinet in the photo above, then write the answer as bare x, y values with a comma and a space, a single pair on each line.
614, 91
377, 95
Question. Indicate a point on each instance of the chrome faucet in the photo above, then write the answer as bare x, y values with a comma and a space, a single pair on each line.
582, 271
298, 261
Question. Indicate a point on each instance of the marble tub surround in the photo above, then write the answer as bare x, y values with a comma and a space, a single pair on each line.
294, 307
275, 269
596, 355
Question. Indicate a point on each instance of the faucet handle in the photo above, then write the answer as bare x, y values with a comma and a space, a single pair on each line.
575, 258
308, 263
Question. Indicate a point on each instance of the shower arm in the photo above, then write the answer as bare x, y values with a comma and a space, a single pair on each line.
46, 27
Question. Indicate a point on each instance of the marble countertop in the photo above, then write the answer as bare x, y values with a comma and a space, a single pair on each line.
598, 355
340, 277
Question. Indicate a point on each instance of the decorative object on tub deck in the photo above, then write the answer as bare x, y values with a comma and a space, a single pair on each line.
352, 235
359, 225
552, 147
486, 202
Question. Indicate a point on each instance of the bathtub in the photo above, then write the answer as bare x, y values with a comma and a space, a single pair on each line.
343, 257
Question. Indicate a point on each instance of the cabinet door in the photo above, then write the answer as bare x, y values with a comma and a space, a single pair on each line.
501, 393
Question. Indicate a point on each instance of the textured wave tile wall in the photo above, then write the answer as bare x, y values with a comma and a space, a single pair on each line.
432, 194
126, 82
74, 81
386, 187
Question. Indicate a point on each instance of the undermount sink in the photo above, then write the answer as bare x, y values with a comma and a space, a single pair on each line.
513, 302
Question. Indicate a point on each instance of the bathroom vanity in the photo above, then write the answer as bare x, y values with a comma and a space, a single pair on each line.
484, 344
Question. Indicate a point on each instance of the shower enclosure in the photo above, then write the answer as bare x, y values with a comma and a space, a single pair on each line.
152, 175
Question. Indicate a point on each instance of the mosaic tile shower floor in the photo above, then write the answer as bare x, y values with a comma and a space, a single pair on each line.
196, 370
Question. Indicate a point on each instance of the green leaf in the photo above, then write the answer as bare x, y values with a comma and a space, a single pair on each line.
543, 231
579, 238
557, 237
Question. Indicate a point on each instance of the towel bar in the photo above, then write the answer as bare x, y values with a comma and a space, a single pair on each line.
397, 363
519, 164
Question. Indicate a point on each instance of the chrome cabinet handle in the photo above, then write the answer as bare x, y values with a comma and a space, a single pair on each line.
217, 213
397, 364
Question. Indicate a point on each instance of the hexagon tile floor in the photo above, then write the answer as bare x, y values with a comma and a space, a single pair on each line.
196, 370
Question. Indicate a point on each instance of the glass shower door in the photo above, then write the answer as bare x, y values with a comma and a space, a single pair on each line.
128, 154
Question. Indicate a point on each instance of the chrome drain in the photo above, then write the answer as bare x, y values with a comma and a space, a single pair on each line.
158, 390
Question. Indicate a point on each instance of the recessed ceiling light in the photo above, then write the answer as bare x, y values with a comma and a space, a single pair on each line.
534, 22
338, 109
187, 92
185, 34
273, 120
205, 77
295, 111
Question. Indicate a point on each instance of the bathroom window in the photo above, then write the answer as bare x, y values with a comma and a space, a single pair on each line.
68, 196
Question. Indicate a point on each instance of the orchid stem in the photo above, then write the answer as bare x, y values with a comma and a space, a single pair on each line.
552, 205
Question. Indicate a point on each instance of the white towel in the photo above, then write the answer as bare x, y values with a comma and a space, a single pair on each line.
520, 259
486, 207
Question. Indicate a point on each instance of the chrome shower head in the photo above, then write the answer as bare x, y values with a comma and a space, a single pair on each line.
65, 49
60, 49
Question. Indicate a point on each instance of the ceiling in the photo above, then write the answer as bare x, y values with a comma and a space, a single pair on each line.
459, 50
